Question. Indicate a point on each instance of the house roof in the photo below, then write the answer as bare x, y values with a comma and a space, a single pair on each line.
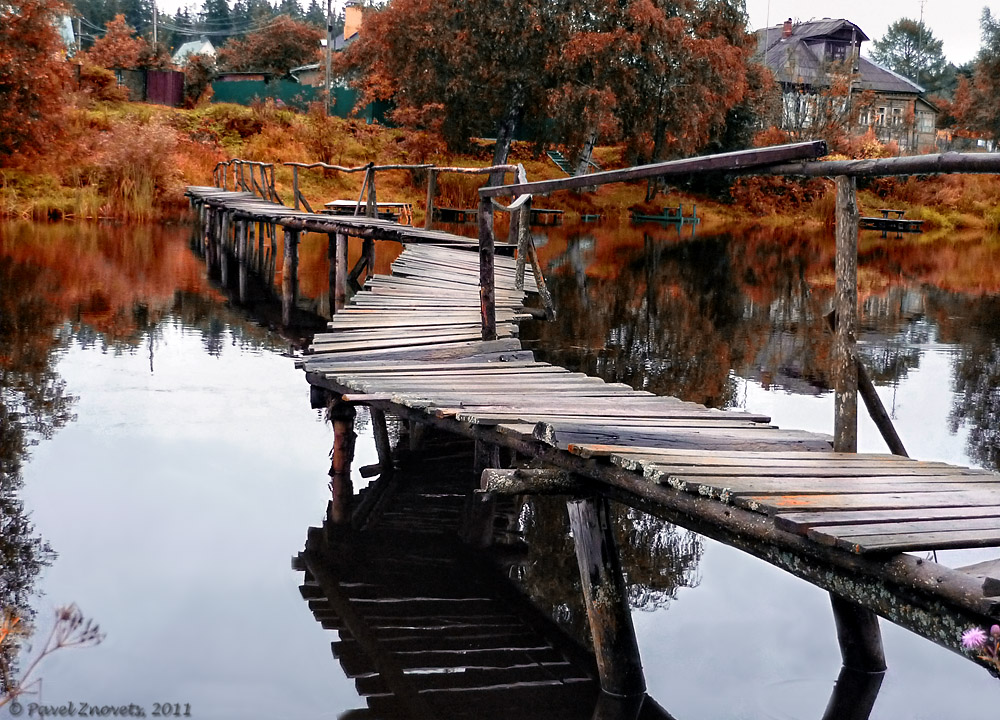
800, 58
202, 46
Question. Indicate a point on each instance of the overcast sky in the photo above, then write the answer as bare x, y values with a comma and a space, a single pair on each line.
956, 22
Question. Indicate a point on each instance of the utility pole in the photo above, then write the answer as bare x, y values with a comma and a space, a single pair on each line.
329, 53
154, 26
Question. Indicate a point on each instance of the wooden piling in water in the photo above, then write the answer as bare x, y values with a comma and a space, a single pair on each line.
290, 276
342, 416
382, 444
615, 646
242, 251
858, 635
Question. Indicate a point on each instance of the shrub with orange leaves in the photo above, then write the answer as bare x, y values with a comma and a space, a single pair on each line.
32, 75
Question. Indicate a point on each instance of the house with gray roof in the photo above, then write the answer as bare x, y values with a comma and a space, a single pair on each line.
822, 74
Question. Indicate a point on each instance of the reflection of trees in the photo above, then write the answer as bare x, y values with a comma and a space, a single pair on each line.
33, 405
658, 558
678, 318
974, 325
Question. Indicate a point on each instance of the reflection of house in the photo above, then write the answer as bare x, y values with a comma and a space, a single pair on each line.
202, 46
812, 62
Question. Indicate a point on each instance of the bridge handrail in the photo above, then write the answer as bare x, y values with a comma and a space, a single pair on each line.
265, 188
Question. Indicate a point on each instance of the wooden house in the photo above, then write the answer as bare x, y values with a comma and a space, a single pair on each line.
820, 70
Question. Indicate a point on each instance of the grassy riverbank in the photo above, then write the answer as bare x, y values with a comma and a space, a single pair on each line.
131, 162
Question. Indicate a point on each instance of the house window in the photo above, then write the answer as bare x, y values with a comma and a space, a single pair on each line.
865, 117
897, 116
838, 52
880, 116
925, 122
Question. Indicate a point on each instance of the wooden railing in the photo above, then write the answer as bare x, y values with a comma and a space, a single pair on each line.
240, 170
368, 195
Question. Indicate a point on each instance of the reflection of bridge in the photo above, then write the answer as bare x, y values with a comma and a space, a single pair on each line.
429, 628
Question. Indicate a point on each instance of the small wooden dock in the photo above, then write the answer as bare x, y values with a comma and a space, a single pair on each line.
891, 221
669, 215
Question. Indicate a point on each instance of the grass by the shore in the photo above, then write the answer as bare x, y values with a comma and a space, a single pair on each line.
130, 161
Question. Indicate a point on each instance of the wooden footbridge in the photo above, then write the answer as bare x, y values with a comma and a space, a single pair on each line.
435, 344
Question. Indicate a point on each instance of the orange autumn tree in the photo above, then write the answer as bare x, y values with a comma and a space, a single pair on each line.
32, 72
662, 74
277, 47
119, 47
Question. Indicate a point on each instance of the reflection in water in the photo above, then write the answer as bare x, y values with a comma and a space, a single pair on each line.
659, 558
431, 628
686, 318
33, 405
91, 287
105, 306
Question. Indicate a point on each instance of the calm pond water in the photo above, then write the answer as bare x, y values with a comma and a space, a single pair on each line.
161, 463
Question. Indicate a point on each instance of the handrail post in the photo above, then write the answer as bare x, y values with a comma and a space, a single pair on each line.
431, 189
295, 185
857, 627
372, 207
845, 374
487, 277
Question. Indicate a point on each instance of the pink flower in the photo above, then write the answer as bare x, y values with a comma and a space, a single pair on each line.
973, 638
995, 632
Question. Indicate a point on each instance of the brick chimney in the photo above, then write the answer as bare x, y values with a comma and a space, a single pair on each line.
787, 30
352, 18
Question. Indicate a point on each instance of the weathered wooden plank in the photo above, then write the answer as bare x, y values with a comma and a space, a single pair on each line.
799, 522
942, 540
773, 505
860, 470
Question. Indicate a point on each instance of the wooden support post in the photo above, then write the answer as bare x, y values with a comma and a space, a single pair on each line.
368, 252
371, 210
274, 252
857, 627
223, 248
615, 646
854, 695
382, 444
536, 270
877, 411
487, 277
259, 233
431, 190
242, 251
480, 507
342, 416
523, 235
290, 276
337, 254
295, 185
845, 375
873, 403
512, 230
417, 430
859, 636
